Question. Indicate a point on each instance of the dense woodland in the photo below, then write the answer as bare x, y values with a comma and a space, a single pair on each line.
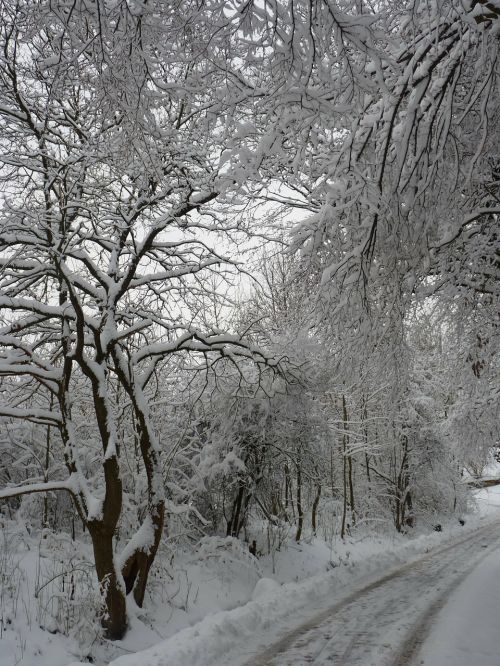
249, 271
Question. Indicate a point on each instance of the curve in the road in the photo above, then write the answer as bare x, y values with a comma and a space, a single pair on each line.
384, 623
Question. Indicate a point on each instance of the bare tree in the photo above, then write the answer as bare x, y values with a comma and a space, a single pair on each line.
389, 135
112, 133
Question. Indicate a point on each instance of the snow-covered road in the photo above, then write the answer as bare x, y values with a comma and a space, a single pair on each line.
386, 622
437, 608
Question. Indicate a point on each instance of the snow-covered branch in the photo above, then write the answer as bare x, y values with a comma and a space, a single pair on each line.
42, 416
10, 492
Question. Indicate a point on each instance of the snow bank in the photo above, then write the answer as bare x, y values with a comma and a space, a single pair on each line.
212, 639
219, 603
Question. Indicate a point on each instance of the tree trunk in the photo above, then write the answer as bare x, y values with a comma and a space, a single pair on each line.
234, 524
366, 433
351, 488
115, 618
315, 508
300, 509
135, 570
344, 504
45, 518
347, 472
288, 491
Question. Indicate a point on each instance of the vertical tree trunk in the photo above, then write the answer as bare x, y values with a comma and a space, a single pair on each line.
366, 433
240, 504
408, 500
300, 509
135, 569
332, 476
315, 508
288, 491
347, 471
351, 488
115, 618
45, 519
344, 487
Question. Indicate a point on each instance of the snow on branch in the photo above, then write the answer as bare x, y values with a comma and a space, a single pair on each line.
8, 493
41, 416
228, 345
31, 305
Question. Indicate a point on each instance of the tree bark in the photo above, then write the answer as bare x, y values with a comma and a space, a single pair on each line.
115, 618
314, 512
300, 509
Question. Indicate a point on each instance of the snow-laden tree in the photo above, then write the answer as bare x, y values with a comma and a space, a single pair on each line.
388, 124
113, 117
386, 128
135, 139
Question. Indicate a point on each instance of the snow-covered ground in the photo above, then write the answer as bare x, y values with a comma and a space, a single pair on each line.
488, 500
226, 637
465, 631
220, 598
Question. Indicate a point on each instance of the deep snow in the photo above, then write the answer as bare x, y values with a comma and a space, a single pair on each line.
221, 596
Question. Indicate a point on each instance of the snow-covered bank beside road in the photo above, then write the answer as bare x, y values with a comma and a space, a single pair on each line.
488, 500
231, 637
231, 605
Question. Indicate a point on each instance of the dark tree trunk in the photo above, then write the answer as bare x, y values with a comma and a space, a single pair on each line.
235, 522
115, 618
300, 509
347, 472
344, 504
351, 489
314, 512
288, 491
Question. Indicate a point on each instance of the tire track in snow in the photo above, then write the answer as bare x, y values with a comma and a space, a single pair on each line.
385, 622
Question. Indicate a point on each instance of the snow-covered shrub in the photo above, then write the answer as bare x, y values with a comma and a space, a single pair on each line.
68, 600
48, 581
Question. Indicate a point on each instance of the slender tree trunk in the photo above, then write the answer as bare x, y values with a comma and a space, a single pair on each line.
409, 520
45, 519
332, 476
300, 509
136, 568
315, 508
344, 494
347, 471
289, 491
367, 458
351, 488
235, 522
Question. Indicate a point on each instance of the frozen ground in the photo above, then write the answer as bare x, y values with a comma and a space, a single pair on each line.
224, 607
385, 622
368, 622
465, 631
242, 635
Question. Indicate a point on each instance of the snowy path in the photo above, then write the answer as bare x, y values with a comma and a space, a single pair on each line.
385, 623
466, 630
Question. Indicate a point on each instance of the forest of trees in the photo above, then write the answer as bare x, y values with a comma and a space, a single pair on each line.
249, 269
